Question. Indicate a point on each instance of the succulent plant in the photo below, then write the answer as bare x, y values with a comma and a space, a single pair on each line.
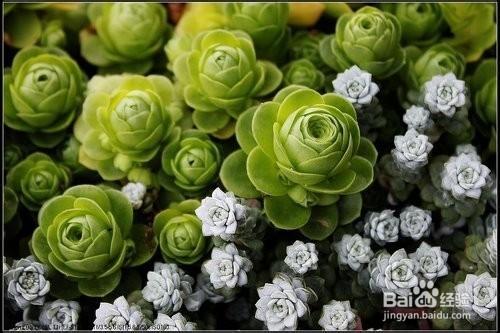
283, 302
484, 86
120, 316
12, 155
356, 86
337, 316
431, 261
301, 257
60, 315
221, 76
53, 34
167, 287
86, 234
305, 45
415, 222
310, 147
412, 150
228, 267
368, 38
421, 23
418, 118
478, 295
127, 36
135, 193
205, 291
382, 227
444, 94
179, 233
473, 27
190, 162
220, 214
125, 121
43, 91
353, 250
37, 179
27, 282
303, 72
266, 23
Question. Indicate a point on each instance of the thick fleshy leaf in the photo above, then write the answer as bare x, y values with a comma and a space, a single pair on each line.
264, 173
286, 214
22, 28
234, 176
99, 287
349, 208
244, 134
296, 100
364, 175
272, 78
323, 222
210, 122
367, 150
262, 126
39, 245
121, 209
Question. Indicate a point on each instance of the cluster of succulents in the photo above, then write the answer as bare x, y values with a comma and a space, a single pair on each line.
249, 166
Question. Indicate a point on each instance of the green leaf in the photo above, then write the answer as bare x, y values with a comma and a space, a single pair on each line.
349, 208
39, 246
285, 213
272, 78
323, 222
364, 174
244, 134
93, 49
210, 122
145, 244
234, 177
22, 28
99, 287
264, 174
367, 150
262, 126
122, 210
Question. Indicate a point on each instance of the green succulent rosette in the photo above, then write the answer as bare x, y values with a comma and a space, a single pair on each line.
421, 23
86, 235
305, 45
303, 152
368, 38
473, 27
421, 66
179, 234
221, 77
42, 94
266, 23
190, 163
124, 124
12, 155
10, 204
23, 26
37, 179
53, 34
303, 72
127, 36
484, 89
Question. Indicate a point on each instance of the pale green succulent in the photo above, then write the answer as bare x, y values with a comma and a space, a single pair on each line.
190, 162
421, 23
303, 72
266, 23
221, 78
368, 38
484, 89
43, 92
127, 36
125, 122
179, 234
473, 27
87, 235
302, 150
37, 179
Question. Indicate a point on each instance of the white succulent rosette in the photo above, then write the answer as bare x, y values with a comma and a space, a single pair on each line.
220, 214
465, 177
120, 316
418, 118
354, 250
356, 86
477, 297
415, 222
411, 150
60, 315
382, 227
282, 302
167, 287
431, 261
135, 193
228, 267
337, 316
444, 94
27, 283
393, 273
176, 323
301, 257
